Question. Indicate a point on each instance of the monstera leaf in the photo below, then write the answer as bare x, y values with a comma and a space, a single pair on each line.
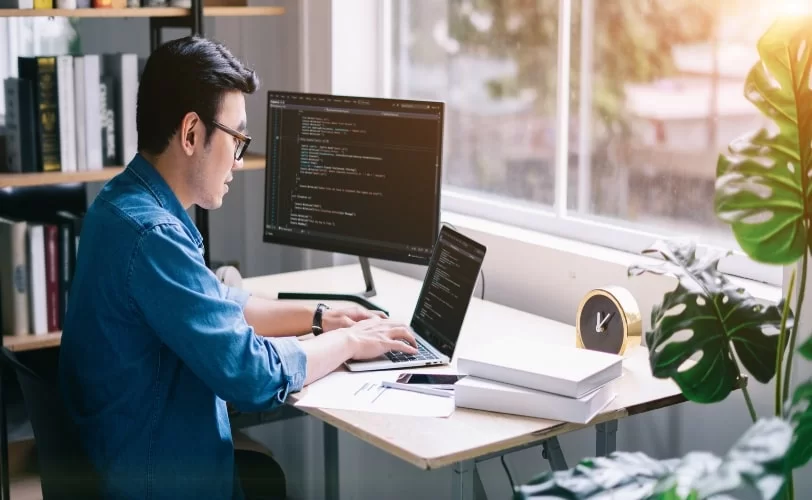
707, 317
757, 460
763, 184
801, 417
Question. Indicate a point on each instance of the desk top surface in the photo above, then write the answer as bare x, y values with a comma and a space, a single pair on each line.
430, 443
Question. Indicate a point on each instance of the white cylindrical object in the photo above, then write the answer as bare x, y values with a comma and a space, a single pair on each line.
229, 276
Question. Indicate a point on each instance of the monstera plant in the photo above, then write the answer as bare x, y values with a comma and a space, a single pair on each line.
708, 334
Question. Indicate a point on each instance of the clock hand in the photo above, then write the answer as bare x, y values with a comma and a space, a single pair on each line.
601, 322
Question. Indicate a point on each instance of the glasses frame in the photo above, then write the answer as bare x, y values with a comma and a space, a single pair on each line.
242, 146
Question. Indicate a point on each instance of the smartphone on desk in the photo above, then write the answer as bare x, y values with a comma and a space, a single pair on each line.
426, 383
433, 380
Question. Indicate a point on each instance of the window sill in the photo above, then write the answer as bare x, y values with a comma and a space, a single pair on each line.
506, 234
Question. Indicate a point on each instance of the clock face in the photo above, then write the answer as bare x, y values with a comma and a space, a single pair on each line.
601, 325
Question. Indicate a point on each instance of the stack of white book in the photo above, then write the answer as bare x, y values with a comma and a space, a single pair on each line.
551, 381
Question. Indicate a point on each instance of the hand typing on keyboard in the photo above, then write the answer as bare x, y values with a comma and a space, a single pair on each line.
422, 353
374, 337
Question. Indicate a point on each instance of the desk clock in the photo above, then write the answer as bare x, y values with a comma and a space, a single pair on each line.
608, 320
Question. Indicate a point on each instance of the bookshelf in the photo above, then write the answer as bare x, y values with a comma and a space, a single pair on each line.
250, 162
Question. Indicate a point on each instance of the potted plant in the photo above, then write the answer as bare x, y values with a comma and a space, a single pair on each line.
764, 191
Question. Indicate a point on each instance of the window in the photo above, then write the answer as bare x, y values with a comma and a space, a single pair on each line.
654, 92
17, 38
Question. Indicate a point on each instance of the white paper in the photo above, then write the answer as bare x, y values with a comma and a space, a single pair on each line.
363, 392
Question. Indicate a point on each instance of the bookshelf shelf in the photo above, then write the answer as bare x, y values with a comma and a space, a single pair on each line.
32, 342
254, 162
48, 178
144, 12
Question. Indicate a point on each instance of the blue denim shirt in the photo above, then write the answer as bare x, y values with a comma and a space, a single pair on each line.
153, 345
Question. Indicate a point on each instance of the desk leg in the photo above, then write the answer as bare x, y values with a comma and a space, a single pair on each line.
466, 483
331, 483
551, 451
605, 433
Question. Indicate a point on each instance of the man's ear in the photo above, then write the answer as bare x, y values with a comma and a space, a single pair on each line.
189, 132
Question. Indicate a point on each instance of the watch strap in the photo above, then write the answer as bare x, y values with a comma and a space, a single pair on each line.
318, 329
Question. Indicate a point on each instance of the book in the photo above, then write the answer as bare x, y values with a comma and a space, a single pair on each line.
481, 394
107, 120
41, 72
21, 126
37, 291
52, 301
16, 4
558, 369
120, 70
66, 102
69, 226
88, 112
14, 277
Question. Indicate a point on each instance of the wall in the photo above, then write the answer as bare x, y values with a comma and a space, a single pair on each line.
552, 276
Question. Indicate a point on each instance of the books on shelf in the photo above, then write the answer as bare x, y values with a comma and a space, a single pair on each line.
37, 260
71, 113
16, 4
539, 380
82, 4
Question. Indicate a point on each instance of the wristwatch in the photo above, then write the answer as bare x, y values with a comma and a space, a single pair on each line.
317, 328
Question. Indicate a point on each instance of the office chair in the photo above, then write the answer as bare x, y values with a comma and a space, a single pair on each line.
65, 470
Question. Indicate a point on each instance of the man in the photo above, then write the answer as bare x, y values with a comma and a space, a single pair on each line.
153, 344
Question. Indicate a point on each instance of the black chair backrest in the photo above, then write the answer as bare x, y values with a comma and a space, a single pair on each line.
65, 470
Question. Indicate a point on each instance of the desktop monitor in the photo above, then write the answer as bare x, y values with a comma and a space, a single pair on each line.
353, 175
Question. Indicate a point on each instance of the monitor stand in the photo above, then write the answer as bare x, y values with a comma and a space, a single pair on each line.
358, 298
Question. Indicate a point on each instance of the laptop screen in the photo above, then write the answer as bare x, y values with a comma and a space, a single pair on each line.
450, 280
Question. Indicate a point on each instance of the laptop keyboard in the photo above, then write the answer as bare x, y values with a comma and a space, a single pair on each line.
400, 357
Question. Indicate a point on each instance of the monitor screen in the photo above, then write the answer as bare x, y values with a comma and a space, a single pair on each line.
447, 288
354, 175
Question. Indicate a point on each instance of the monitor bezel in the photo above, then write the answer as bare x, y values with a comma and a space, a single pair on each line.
337, 246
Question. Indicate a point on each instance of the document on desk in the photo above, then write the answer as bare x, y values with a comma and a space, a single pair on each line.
363, 392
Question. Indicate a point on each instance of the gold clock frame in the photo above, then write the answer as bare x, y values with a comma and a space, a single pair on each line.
631, 317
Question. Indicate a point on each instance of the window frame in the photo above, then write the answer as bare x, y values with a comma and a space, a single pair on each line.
557, 220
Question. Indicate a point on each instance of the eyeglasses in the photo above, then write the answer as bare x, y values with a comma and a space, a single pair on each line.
242, 140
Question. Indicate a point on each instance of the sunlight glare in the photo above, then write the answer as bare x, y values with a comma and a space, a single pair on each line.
793, 7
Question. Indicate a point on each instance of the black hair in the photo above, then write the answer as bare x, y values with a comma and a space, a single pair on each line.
181, 76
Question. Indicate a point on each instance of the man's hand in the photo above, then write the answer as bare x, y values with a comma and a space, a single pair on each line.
365, 339
333, 319
371, 338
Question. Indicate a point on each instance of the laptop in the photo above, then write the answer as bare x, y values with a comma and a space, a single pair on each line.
441, 306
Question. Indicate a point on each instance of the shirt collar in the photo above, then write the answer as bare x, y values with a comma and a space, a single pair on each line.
163, 194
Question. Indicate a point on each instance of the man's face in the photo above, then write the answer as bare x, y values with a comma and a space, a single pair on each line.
214, 169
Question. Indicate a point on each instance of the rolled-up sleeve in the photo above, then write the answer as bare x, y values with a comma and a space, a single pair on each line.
203, 323
238, 295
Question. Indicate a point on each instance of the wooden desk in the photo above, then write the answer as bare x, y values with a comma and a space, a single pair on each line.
468, 435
